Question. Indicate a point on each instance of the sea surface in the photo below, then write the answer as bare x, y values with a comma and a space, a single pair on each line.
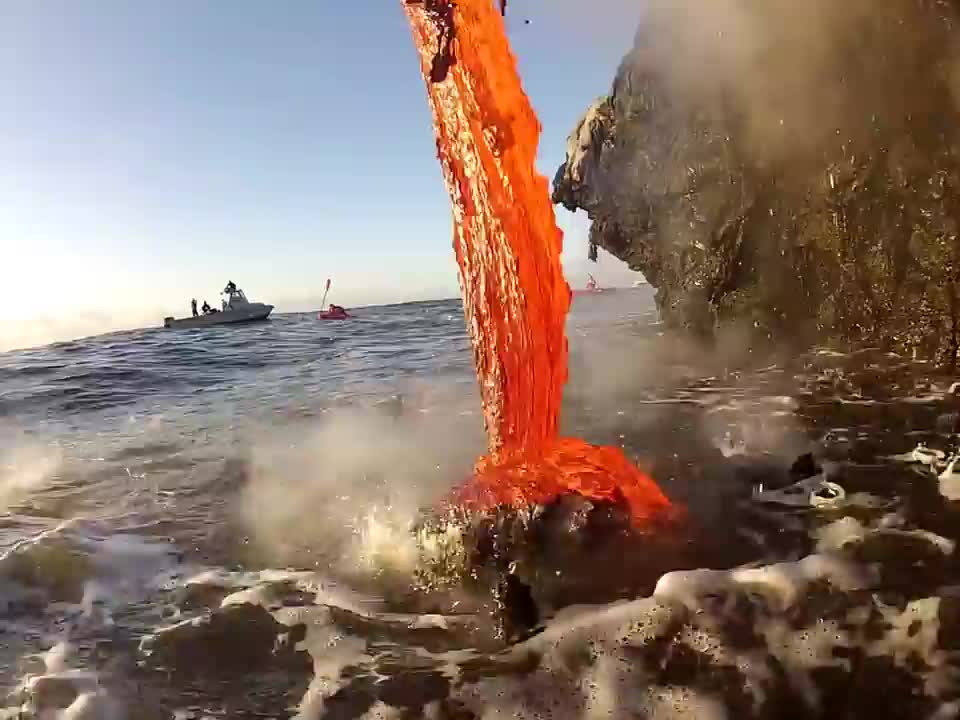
227, 522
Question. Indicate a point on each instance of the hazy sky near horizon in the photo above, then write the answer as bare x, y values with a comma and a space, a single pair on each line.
149, 151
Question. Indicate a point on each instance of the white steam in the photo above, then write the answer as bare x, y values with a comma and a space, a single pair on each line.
347, 493
24, 470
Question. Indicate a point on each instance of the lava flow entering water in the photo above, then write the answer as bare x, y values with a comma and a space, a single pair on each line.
508, 248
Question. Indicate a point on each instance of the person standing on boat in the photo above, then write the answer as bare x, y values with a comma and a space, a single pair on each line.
193, 306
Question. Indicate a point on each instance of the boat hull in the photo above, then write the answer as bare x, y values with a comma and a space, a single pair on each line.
250, 313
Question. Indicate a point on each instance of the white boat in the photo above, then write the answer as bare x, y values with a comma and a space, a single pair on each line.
236, 309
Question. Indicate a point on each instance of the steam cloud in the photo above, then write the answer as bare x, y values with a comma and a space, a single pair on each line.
346, 493
25, 469
800, 77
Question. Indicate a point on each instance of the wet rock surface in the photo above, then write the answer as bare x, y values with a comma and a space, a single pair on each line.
234, 638
814, 638
816, 577
794, 200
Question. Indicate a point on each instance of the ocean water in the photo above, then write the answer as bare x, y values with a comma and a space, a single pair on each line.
228, 523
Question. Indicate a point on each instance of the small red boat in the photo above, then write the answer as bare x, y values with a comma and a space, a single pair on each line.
593, 285
334, 312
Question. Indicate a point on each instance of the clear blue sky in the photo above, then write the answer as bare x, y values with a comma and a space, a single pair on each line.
150, 150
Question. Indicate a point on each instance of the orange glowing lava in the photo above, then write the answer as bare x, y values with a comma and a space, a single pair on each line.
508, 248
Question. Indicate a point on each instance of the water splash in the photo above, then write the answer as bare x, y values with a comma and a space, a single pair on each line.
508, 249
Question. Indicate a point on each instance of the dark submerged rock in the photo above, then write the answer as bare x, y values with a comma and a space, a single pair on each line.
575, 550
54, 565
235, 638
52, 693
519, 610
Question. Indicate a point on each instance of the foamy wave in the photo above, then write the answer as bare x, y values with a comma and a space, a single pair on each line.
815, 634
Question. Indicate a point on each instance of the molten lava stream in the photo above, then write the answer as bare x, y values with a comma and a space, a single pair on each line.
508, 248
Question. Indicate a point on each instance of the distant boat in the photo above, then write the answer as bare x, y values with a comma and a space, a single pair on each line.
236, 309
593, 285
641, 283
335, 312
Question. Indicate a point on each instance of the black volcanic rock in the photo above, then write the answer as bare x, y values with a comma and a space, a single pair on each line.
788, 168
234, 638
